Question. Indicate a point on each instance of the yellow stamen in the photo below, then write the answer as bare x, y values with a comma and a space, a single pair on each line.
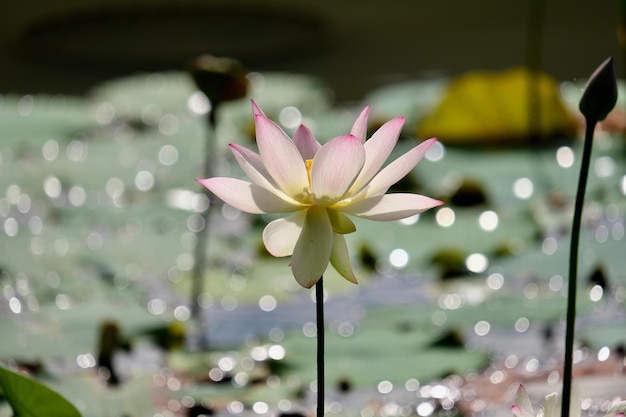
308, 163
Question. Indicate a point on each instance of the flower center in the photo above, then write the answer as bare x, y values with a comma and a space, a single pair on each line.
308, 163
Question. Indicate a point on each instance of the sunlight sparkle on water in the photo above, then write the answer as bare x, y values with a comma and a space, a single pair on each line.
495, 281
556, 283
144, 180
168, 155
15, 305
565, 157
86, 360
482, 328
477, 262
182, 313
604, 167
399, 258
425, 409
436, 152
488, 220
105, 112
52, 186
523, 188
290, 117
157, 306
198, 103
595, 293
549, 246
604, 353
50, 150
76, 195
11, 227
76, 151
235, 407
384, 387
267, 303
445, 217
522, 324
168, 124
260, 407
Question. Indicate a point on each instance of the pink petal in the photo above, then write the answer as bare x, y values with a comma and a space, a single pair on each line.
312, 252
246, 196
377, 150
251, 164
306, 142
340, 258
335, 167
359, 129
281, 235
256, 110
391, 206
281, 158
398, 169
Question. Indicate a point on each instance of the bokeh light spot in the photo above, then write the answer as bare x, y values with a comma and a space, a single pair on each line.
565, 157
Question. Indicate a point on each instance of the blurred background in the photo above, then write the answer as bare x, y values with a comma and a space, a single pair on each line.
68, 46
103, 129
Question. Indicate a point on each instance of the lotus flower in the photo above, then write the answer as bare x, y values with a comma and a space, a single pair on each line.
319, 185
552, 405
524, 408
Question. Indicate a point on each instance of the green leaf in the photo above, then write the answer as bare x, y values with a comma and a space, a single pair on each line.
29, 398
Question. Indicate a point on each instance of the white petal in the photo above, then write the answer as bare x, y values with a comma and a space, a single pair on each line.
391, 206
306, 142
615, 409
340, 258
340, 222
398, 169
575, 404
377, 150
246, 196
551, 406
281, 158
312, 252
523, 401
281, 235
335, 167
250, 162
359, 128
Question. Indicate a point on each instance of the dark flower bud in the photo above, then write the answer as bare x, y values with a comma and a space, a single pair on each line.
600, 93
220, 79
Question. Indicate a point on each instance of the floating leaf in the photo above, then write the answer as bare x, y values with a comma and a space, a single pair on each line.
29, 398
494, 109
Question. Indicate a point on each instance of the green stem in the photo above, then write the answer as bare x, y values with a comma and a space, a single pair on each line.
319, 308
200, 250
573, 269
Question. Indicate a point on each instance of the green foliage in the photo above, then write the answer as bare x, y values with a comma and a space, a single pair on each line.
29, 398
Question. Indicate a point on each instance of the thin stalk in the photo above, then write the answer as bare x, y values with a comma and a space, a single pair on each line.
573, 269
200, 250
319, 309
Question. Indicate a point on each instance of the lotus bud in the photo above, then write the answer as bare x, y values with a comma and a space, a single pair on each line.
600, 93
220, 79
